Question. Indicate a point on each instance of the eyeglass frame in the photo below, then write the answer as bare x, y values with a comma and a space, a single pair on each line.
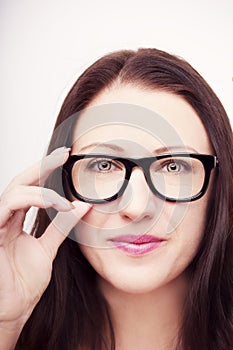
209, 162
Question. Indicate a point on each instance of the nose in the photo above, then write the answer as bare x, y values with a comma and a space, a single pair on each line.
137, 202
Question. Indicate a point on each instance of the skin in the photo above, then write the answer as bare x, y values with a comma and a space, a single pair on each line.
145, 293
26, 262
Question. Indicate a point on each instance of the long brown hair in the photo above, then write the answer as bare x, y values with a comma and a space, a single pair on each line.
72, 314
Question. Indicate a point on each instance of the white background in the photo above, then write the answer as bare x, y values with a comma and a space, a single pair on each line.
46, 44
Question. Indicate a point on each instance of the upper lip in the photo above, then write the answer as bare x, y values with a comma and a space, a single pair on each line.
136, 239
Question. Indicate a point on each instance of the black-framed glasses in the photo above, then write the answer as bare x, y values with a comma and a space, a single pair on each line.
101, 178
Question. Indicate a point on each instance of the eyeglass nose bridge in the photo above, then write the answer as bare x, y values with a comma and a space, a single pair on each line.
143, 164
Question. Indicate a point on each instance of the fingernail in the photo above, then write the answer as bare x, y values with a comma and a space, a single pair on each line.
61, 150
81, 208
64, 205
76, 204
61, 204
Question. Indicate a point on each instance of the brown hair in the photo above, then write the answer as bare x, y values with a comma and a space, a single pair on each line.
72, 314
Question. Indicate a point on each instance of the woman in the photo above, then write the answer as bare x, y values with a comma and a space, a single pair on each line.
149, 262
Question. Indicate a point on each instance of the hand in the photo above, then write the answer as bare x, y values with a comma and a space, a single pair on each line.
26, 261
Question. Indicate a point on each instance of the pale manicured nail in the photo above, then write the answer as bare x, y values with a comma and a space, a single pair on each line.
60, 150
76, 203
63, 205
60, 205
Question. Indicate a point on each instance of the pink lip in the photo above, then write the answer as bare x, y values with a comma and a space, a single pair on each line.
137, 245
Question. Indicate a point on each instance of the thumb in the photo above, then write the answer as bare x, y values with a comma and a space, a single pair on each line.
60, 227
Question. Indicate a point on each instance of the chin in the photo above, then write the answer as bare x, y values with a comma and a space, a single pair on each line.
135, 285
137, 290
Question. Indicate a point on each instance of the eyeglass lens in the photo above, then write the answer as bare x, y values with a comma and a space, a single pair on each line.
174, 177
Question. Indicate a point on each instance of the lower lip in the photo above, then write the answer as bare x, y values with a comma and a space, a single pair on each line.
137, 249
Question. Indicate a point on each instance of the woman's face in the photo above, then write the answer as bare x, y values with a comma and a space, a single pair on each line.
140, 242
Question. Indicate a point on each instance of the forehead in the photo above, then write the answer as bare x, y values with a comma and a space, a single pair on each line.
151, 119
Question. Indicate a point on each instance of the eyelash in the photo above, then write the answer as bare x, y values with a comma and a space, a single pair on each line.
92, 164
166, 163
186, 166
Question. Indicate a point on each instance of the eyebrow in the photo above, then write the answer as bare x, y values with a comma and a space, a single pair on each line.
160, 150
175, 148
105, 145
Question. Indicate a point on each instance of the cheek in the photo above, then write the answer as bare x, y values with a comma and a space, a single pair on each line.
96, 217
189, 233
182, 222
147, 273
90, 229
195, 219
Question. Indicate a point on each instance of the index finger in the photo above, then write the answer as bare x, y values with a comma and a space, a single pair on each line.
60, 227
38, 172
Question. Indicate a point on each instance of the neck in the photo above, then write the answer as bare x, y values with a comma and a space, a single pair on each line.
146, 321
